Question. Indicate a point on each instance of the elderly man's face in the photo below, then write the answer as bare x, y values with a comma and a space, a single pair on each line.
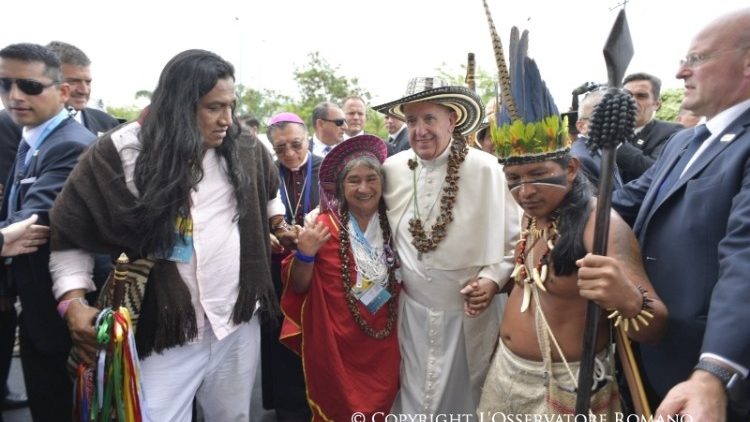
290, 144
430, 128
79, 79
718, 78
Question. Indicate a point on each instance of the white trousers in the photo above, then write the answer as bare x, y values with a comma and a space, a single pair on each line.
219, 374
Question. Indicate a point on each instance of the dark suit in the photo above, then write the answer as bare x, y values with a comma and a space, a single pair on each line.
591, 163
10, 136
635, 158
97, 121
283, 382
696, 249
399, 144
45, 341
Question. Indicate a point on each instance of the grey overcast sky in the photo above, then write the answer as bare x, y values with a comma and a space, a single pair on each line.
381, 42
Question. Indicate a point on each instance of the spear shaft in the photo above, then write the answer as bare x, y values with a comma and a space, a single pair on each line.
618, 51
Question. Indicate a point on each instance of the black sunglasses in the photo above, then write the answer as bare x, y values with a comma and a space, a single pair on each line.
27, 86
337, 122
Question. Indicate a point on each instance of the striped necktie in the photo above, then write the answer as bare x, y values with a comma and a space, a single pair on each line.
23, 150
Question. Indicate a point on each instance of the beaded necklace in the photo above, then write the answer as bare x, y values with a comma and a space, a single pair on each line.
351, 300
524, 275
438, 231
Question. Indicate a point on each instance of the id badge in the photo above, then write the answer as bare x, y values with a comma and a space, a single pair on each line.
372, 295
182, 251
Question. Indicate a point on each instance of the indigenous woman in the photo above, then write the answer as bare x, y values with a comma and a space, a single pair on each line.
340, 293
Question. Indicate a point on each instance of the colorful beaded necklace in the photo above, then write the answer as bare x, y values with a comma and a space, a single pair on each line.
351, 300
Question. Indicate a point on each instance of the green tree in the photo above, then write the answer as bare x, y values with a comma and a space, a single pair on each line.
375, 124
127, 112
483, 80
261, 104
670, 104
144, 93
318, 81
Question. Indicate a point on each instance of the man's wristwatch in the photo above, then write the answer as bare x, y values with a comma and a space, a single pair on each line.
732, 380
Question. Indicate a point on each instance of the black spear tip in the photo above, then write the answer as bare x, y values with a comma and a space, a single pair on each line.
613, 121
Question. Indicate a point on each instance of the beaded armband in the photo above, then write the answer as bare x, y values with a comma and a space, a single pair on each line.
643, 317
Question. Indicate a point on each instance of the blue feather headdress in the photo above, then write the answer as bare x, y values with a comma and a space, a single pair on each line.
528, 127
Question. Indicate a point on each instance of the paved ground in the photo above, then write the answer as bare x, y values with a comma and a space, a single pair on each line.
15, 380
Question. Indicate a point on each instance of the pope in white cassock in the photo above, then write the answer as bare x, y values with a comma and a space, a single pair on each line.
454, 223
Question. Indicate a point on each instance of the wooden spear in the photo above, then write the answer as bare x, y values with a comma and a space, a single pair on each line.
618, 51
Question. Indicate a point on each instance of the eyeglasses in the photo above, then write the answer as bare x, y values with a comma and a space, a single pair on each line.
27, 86
694, 60
552, 179
281, 149
337, 122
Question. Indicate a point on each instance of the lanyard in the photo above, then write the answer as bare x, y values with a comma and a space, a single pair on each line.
358, 233
51, 126
292, 212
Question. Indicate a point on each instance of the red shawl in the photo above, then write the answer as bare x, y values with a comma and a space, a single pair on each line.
345, 370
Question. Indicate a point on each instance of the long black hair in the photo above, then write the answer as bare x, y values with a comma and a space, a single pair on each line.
169, 164
573, 213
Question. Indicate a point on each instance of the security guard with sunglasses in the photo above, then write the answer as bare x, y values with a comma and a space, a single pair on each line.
329, 125
32, 92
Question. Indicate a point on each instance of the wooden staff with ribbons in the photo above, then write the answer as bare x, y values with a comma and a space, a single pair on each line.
110, 389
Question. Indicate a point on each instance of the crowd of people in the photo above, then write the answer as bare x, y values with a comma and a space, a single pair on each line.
445, 270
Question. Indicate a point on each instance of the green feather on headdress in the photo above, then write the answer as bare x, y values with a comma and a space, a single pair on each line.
528, 126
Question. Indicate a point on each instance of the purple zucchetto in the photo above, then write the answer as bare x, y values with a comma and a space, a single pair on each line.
285, 117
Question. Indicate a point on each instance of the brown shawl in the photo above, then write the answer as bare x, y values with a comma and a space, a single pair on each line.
93, 213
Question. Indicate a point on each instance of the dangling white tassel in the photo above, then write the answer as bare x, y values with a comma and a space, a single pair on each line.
526, 297
538, 279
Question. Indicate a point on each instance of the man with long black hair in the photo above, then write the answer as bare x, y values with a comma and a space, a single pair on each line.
540, 347
178, 186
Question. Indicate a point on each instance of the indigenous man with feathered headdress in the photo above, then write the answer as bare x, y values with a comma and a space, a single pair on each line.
535, 368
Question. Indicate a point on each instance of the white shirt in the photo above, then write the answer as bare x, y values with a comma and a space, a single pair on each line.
719, 124
346, 136
319, 146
